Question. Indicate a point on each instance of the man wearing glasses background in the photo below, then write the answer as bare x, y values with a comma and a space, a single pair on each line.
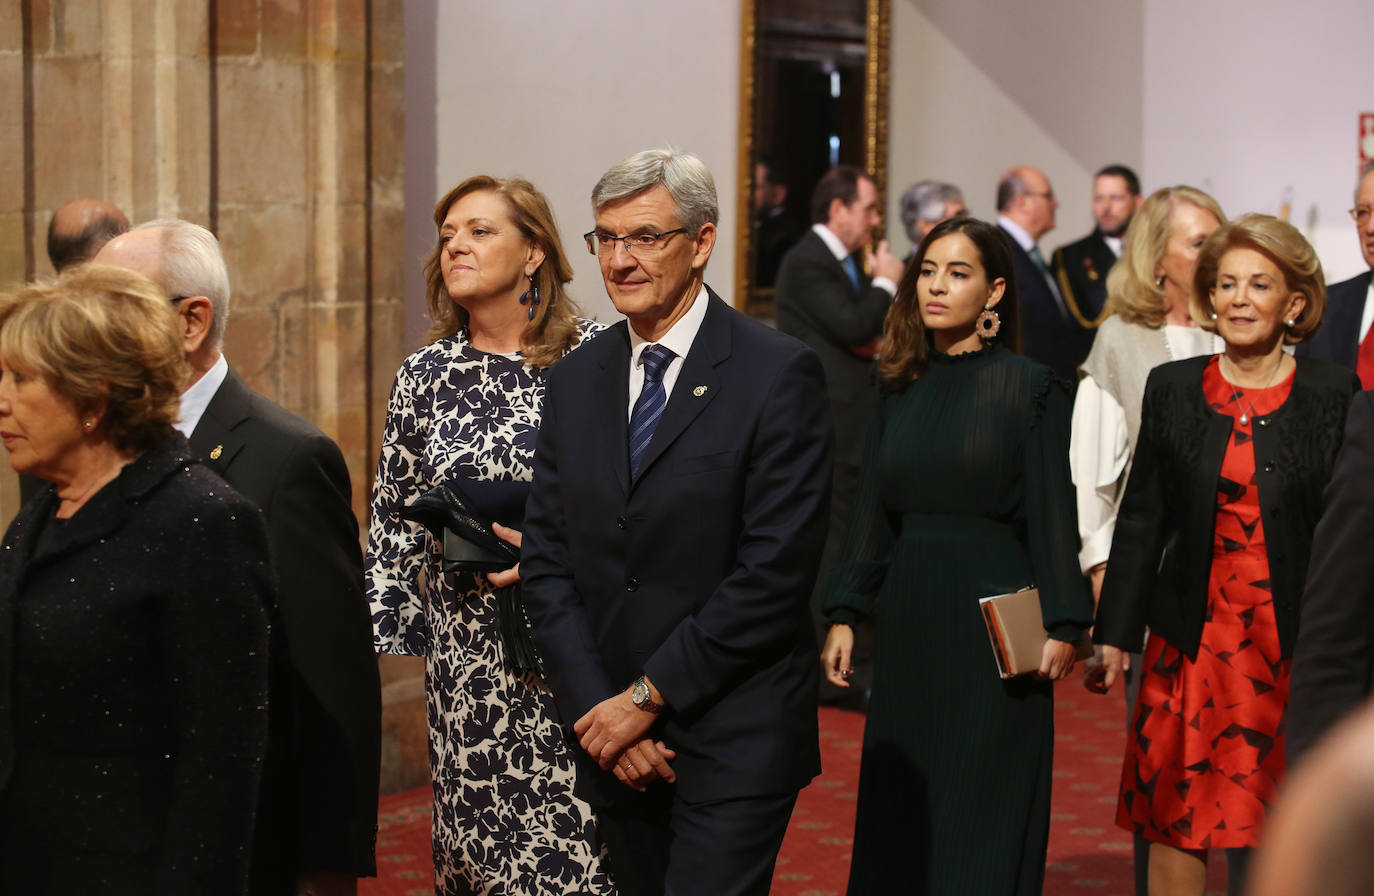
1025, 212
672, 535
1345, 338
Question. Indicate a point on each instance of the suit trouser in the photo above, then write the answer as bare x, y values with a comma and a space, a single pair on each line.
668, 847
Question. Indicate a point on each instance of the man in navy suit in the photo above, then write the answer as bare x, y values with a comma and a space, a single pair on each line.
681, 483
1344, 337
1025, 212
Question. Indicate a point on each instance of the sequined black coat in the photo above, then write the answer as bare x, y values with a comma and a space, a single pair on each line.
1157, 573
133, 682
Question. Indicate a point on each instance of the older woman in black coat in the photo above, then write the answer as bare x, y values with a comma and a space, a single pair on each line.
133, 621
1211, 551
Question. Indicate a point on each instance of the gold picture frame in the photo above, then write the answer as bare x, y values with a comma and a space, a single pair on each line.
759, 301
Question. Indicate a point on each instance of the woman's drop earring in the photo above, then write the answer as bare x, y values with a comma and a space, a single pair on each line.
988, 324
531, 296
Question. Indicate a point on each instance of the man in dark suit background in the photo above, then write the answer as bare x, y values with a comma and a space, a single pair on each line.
1080, 268
827, 300
1025, 212
1333, 659
671, 540
1344, 337
775, 231
317, 819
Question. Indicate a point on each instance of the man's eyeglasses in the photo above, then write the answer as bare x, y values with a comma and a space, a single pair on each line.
1048, 196
1361, 214
640, 245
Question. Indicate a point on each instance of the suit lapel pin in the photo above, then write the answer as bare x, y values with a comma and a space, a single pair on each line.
699, 391
216, 452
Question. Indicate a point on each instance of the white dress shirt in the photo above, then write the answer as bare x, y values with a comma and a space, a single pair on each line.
1367, 316
678, 340
197, 398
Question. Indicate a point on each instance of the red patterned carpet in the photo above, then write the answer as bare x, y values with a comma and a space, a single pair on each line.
1088, 853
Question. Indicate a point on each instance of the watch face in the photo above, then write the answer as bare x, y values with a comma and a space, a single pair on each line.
640, 693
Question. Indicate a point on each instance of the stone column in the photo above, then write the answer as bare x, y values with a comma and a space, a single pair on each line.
262, 125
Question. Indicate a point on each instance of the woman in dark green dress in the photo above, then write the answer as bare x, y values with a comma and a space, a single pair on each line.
965, 493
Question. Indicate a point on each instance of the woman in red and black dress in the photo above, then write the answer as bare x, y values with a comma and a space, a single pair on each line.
1211, 549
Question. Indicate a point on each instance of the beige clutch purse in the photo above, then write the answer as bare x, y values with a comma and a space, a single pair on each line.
1018, 636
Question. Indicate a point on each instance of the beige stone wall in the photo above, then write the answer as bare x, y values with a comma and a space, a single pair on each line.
279, 125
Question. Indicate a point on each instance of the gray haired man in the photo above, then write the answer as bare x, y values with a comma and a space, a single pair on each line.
671, 541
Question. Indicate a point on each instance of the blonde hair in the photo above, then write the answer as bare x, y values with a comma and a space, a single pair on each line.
1134, 292
101, 334
553, 331
1281, 243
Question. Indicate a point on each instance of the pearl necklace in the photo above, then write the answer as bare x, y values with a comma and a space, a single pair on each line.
1245, 415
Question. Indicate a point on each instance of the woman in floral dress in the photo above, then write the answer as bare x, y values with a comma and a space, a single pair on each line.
467, 406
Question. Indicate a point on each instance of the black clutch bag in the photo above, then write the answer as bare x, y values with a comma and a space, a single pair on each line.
461, 514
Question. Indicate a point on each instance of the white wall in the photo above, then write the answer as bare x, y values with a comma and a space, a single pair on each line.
1240, 97
1247, 98
978, 86
557, 91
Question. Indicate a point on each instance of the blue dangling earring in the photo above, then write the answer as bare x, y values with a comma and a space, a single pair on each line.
531, 296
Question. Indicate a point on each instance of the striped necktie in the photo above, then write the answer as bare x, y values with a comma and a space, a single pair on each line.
650, 403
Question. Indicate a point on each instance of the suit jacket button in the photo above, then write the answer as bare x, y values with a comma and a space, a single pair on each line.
1264, 421
1268, 468
632, 585
620, 521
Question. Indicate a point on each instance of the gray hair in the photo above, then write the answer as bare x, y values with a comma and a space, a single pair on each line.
1009, 187
1365, 171
192, 265
925, 200
683, 175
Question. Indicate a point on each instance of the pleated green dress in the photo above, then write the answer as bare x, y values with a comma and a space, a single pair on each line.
965, 493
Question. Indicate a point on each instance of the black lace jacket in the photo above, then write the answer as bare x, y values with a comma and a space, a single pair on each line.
1161, 554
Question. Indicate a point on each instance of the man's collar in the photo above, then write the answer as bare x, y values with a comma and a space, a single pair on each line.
831, 241
198, 395
1018, 233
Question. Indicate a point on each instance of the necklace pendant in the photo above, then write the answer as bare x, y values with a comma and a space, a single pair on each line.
1244, 419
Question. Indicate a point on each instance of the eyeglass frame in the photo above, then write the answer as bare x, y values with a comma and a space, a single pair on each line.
593, 238
1355, 214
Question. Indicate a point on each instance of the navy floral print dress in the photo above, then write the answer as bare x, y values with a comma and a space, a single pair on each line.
505, 818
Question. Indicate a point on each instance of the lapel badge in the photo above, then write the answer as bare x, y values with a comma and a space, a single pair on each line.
1092, 270
216, 452
699, 391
